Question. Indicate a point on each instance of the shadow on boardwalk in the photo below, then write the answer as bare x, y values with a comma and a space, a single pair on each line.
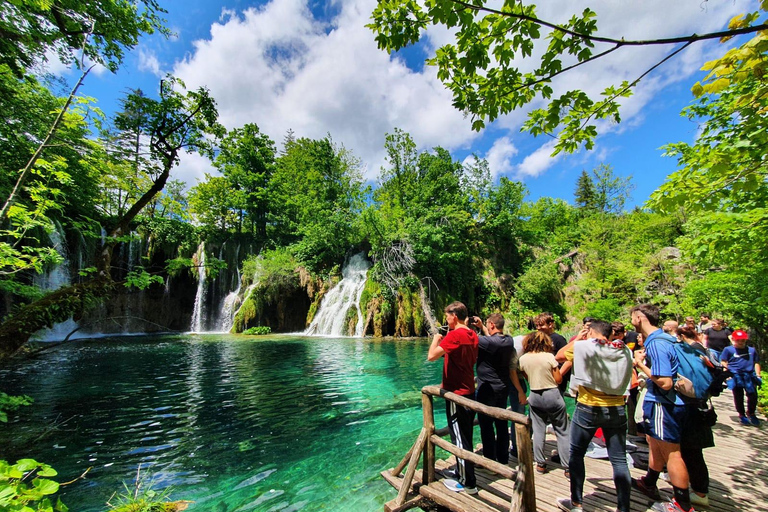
738, 471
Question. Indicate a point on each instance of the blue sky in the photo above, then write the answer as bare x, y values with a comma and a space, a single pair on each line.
314, 68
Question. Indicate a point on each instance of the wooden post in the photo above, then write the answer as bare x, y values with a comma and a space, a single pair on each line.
524, 497
428, 473
408, 478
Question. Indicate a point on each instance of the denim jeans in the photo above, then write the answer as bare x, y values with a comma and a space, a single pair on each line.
613, 420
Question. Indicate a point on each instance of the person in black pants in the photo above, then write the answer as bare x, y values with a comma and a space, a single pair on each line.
495, 354
697, 432
458, 349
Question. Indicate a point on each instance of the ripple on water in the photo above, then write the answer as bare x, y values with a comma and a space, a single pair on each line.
282, 424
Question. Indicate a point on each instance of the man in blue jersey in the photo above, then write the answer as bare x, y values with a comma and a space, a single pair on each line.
663, 411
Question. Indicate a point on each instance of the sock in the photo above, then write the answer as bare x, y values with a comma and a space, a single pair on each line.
682, 497
651, 478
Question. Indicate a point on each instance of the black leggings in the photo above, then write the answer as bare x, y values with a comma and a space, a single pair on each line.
698, 474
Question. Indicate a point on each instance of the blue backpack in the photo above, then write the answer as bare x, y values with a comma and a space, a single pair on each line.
694, 377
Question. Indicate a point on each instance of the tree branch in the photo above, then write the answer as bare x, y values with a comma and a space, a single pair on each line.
620, 42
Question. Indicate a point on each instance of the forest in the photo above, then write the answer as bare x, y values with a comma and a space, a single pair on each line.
432, 226
279, 220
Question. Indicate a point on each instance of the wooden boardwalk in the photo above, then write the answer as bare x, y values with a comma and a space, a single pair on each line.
738, 469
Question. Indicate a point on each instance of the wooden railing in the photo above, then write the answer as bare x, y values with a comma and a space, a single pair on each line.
524, 495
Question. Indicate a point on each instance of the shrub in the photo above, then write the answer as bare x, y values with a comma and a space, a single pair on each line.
16, 493
258, 330
11, 403
762, 393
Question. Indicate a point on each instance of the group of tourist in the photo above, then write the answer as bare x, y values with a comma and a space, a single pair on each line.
607, 365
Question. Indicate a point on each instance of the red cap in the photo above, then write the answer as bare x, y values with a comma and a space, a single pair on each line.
740, 335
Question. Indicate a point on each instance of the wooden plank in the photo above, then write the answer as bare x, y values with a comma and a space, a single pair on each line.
738, 468
392, 506
429, 447
456, 501
478, 460
408, 478
494, 412
524, 498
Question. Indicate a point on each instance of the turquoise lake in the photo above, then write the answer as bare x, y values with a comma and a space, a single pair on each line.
233, 423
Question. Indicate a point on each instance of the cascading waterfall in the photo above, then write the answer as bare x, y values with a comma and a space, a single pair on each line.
331, 317
231, 302
197, 315
228, 305
53, 280
59, 275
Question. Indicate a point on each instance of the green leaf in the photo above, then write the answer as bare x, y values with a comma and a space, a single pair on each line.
27, 465
45, 486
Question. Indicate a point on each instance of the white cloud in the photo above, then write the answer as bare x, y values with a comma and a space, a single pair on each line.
537, 162
192, 168
148, 62
278, 66
52, 64
499, 156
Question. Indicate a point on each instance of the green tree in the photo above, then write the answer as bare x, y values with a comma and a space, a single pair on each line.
102, 29
179, 120
611, 191
315, 200
483, 67
247, 159
602, 191
62, 185
720, 186
585, 191
213, 205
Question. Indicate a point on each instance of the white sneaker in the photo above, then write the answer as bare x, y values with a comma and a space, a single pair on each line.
565, 505
701, 501
470, 490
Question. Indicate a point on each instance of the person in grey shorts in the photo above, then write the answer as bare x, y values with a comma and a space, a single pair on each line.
545, 401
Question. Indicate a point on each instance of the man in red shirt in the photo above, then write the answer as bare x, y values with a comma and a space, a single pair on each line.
459, 350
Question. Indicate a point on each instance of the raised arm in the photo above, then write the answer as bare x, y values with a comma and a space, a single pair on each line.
435, 350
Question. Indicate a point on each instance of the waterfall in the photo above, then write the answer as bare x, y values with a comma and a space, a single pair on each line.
58, 276
52, 280
228, 305
197, 314
231, 302
332, 315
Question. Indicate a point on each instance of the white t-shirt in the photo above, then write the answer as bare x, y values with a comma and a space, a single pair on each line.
538, 366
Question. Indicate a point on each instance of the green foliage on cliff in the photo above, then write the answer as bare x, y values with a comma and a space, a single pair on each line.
267, 277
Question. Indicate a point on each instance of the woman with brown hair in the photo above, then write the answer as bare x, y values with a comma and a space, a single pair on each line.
545, 401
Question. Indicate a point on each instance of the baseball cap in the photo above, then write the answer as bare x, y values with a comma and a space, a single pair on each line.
738, 334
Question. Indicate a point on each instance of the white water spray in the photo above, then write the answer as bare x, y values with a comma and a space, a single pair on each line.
331, 317
197, 315
53, 280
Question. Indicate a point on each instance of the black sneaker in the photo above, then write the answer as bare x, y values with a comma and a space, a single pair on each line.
651, 492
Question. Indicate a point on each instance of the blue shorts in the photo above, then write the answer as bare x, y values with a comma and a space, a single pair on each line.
663, 421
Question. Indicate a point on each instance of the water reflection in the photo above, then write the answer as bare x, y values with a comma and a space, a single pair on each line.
233, 423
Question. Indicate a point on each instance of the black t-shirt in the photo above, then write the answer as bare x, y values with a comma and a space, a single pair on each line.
718, 340
494, 354
558, 342
631, 337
